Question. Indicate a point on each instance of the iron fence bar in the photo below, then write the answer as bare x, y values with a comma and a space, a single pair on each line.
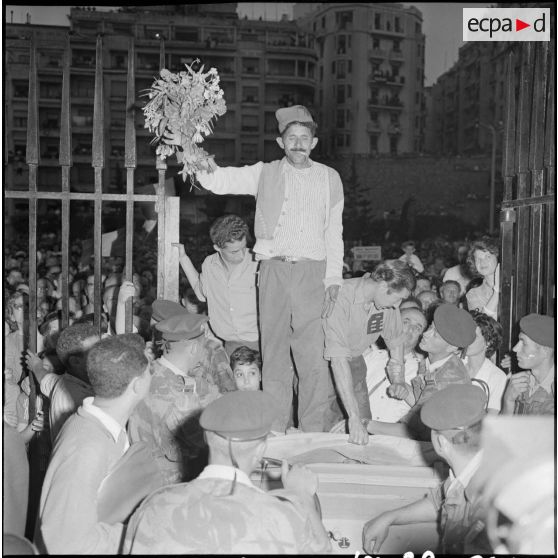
160, 205
508, 152
65, 161
550, 125
77, 196
130, 161
32, 160
98, 162
538, 114
522, 202
524, 120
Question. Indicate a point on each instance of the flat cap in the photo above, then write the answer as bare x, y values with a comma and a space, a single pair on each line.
296, 113
181, 326
457, 406
243, 415
163, 309
539, 328
455, 325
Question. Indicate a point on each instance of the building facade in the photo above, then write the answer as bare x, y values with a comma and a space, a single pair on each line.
467, 100
370, 76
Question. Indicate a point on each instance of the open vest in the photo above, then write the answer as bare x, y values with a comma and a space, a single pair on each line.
271, 196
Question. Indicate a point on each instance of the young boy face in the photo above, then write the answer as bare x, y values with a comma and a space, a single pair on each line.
247, 377
450, 293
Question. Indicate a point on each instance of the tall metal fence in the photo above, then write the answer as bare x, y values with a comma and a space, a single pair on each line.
527, 219
167, 207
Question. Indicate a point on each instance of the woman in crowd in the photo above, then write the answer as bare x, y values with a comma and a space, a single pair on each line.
483, 259
487, 341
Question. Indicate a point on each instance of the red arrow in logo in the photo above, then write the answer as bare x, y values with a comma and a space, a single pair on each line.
519, 25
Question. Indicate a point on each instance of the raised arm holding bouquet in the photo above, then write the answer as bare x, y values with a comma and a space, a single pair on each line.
180, 111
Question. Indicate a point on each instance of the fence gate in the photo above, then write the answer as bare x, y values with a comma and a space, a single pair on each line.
527, 219
167, 207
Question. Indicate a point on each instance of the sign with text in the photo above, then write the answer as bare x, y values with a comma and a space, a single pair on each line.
506, 24
367, 253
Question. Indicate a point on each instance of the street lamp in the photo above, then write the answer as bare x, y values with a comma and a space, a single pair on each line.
493, 131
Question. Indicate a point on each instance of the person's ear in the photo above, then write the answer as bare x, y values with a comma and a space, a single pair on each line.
216, 248
280, 142
314, 143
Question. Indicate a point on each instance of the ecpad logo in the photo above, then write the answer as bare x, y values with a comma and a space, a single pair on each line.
506, 24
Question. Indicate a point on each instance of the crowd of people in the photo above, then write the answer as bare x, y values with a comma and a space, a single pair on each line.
151, 435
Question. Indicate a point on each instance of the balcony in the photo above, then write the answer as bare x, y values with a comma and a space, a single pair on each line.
394, 129
386, 78
377, 54
396, 55
373, 127
385, 103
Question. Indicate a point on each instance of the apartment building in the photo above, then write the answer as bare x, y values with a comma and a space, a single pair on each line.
467, 100
370, 76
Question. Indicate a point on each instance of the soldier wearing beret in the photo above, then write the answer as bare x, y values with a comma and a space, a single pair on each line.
532, 392
454, 416
222, 511
451, 332
299, 242
193, 371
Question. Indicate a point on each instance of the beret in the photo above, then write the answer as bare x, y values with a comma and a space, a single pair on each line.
457, 406
163, 309
539, 328
296, 113
455, 325
243, 415
181, 326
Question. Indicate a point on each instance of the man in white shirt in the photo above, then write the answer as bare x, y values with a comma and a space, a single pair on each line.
298, 229
90, 445
228, 284
383, 407
455, 417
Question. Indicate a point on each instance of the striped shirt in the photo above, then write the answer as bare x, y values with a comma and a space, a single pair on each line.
300, 229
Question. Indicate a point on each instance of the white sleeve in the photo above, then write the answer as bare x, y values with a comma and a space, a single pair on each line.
334, 246
232, 180
48, 382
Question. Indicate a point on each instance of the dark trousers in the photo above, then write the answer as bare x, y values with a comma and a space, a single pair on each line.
291, 300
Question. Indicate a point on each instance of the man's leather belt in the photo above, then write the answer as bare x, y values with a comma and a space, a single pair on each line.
293, 259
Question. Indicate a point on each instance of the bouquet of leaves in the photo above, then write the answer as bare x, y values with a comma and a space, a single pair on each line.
180, 112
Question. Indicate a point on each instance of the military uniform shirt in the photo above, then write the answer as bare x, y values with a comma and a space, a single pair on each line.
356, 323
202, 517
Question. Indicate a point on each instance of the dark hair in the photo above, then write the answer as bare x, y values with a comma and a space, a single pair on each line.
396, 274
485, 244
408, 243
413, 299
90, 319
245, 355
228, 228
190, 296
112, 364
71, 339
312, 126
134, 340
491, 330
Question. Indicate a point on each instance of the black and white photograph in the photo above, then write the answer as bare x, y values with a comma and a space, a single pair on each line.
279, 278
